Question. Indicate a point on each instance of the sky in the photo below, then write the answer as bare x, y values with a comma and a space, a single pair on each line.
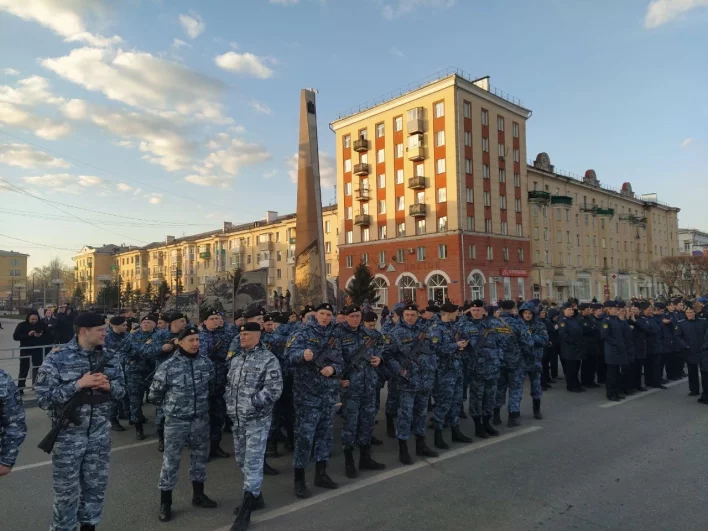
123, 122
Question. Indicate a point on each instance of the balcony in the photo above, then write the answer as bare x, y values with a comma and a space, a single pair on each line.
237, 249
634, 220
416, 153
268, 262
271, 280
290, 260
362, 219
415, 126
266, 245
363, 194
417, 183
562, 200
156, 276
205, 255
609, 212
361, 145
539, 196
291, 241
361, 169
418, 210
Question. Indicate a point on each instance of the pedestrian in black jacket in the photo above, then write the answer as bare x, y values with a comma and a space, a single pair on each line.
550, 359
613, 335
52, 323
32, 334
591, 339
642, 336
692, 336
570, 334
65, 329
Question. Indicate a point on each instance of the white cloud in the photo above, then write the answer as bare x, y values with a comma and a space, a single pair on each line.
31, 90
11, 72
24, 156
687, 142
192, 24
261, 108
154, 198
229, 156
124, 187
328, 175
125, 144
178, 43
75, 109
64, 182
661, 12
396, 52
404, 7
285, 2
234, 45
142, 80
244, 63
42, 127
270, 174
97, 41
207, 180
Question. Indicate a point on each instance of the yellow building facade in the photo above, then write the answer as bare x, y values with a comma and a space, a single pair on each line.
13, 277
92, 267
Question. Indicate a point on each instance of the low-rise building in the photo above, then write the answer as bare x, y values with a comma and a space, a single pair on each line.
693, 242
93, 266
13, 278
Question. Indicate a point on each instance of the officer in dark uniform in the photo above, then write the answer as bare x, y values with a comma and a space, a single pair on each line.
591, 337
691, 335
570, 335
613, 336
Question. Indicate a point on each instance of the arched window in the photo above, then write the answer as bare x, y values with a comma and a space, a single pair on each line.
381, 292
406, 289
437, 289
477, 286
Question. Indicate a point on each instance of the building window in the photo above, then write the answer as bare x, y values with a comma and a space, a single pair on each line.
440, 138
381, 292
420, 227
485, 117
487, 199
520, 254
328, 227
502, 202
442, 195
328, 249
469, 195
517, 180
470, 223
504, 228
401, 230
517, 204
548, 257
439, 109
488, 226
400, 256
515, 129
379, 130
349, 237
382, 206
468, 166
347, 141
349, 262
485, 144
485, 171
467, 109
501, 150
365, 258
347, 189
505, 253
420, 252
520, 230
347, 166
437, 289
348, 213
517, 154
440, 166
406, 288
500, 123
468, 138
382, 232
502, 175
400, 203
442, 251
442, 224
380, 156
559, 236
278, 274
382, 181
490, 252
399, 176
472, 251
365, 234
398, 148
382, 257
328, 268
398, 123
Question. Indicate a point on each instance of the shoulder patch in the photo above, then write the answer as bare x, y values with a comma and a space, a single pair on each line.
229, 354
148, 341
562, 324
605, 325
274, 373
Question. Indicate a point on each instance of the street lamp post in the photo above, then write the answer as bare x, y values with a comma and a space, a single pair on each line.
58, 282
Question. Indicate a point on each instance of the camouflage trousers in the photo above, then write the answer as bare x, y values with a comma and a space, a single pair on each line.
217, 416
121, 406
179, 432
509, 379
483, 392
137, 384
159, 418
313, 426
80, 476
359, 414
518, 390
392, 397
448, 397
412, 409
250, 439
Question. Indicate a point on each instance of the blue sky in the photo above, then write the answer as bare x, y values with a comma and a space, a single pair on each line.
169, 117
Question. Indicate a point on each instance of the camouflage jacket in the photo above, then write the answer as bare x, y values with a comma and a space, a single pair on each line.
442, 340
119, 344
398, 344
363, 378
486, 362
516, 337
13, 428
254, 383
215, 344
533, 356
145, 347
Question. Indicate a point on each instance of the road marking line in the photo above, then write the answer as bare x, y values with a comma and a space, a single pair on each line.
293, 507
640, 395
118, 449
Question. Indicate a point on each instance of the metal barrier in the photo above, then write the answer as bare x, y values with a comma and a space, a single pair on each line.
12, 357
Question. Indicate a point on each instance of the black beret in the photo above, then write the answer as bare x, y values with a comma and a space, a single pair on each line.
610, 304
479, 303
583, 306
432, 308
308, 308
117, 320
238, 314
621, 304
341, 312
188, 331
596, 306
149, 317
280, 318
250, 327
660, 306
351, 309
566, 305
370, 317
448, 307
507, 305
325, 306
174, 316
164, 317
410, 308
254, 312
642, 305
267, 318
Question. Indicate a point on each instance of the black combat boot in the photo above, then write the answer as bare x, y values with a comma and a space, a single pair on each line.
116, 426
243, 518
269, 470
462, 414
439, 442
458, 436
216, 452
497, 416
321, 477
537, 409
139, 434
87, 527
165, 506
391, 426
161, 440
375, 441
491, 431
301, 490
514, 420
421, 449
272, 448
258, 503
366, 462
349, 466
479, 430
403, 456
200, 499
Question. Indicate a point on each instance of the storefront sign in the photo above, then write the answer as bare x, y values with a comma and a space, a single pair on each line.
513, 272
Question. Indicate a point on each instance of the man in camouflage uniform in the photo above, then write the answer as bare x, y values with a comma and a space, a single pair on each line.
360, 385
515, 337
384, 375
182, 385
214, 341
416, 377
448, 383
483, 366
316, 355
12, 423
82, 451
118, 341
531, 361
254, 384
391, 406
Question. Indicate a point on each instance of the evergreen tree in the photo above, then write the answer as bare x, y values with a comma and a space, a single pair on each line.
147, 296
128, 293
109, 294
162, 292
137, 296
362, 287
78, 297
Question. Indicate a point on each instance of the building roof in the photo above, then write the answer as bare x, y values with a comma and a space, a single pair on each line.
11, 253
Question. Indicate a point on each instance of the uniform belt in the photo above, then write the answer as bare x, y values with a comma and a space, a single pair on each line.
94, 400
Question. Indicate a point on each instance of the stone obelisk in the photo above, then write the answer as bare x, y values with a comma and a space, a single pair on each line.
310, 279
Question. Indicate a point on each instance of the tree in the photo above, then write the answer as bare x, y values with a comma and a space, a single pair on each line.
109, 294
147, 296
43, 277
362, 287
78, 297
137, 296
179, 288
128, 293
162, 292
685, 275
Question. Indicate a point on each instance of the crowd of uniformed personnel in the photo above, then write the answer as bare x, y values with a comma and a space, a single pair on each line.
279, 377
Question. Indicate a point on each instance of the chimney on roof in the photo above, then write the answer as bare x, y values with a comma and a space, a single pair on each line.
271, 216
228, 226
169, 239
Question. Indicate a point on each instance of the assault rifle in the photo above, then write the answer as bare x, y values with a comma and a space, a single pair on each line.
413, 356
70, 412
481, 343
327, 355
363, 354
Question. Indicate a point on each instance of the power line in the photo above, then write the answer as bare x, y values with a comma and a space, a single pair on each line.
38, 244
137, 223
